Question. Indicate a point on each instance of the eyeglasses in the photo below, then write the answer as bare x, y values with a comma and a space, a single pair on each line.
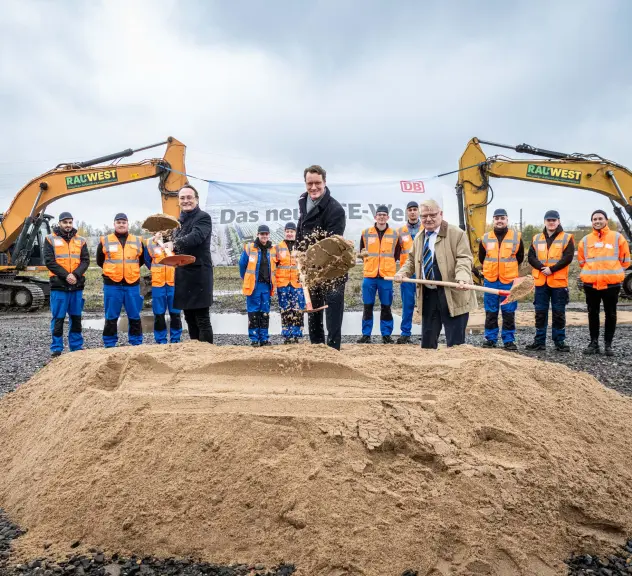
429, 216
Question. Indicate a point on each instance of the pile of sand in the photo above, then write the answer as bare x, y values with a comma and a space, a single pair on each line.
366, 462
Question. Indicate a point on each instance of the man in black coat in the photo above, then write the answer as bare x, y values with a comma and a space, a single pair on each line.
320, 216
194, 282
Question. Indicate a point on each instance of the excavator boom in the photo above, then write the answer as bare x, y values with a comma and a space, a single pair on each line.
579, 171
22, 223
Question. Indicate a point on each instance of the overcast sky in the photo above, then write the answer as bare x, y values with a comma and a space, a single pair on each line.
258, 90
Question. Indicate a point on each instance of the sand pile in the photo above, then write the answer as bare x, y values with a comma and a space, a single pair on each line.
366, 462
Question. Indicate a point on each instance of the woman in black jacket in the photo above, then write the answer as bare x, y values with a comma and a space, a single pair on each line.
194, 282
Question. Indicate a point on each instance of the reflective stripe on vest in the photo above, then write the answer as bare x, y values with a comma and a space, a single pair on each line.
286, 269
549, 257
250, 277
381, 253
122, 262
600, 259
406, 241
160, 273
500, 261
67, 254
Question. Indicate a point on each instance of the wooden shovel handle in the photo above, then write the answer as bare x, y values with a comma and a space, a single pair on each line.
453, 285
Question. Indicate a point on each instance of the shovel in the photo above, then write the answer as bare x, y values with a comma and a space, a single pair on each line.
521, 287
158, 223
308, 300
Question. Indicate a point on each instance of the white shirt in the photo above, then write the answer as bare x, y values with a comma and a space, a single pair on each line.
431, 244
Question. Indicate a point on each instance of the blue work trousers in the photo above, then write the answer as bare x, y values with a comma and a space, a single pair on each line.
558, 297
384, 289
258, 307
64, 303
161, 301
492, 305
292, 304
114, 299
408, 292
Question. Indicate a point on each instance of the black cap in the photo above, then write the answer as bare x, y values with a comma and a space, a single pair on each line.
120, 216
382, 208
65, 216
412, 204
599, 212
290, 226
500, 212
263, 228
552, 215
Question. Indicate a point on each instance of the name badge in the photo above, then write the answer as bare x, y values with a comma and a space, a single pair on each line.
114, 247
59, 242
252, 258
491, 245
405, 238
158, 251
598, 244
609, 246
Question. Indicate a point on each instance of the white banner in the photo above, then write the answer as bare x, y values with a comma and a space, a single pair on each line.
238, 209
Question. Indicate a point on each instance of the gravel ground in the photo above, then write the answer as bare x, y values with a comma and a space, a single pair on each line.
24, 345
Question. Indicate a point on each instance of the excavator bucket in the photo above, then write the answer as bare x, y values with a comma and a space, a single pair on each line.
327, 259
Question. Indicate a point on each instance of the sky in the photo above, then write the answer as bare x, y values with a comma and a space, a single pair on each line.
369, 89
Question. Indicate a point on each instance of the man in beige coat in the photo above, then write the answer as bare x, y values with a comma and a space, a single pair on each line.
441, 252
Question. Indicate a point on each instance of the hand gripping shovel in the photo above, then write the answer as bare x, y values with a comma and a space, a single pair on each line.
164, 222
521, 287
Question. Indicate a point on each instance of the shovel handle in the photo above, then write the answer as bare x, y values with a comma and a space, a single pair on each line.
453, 285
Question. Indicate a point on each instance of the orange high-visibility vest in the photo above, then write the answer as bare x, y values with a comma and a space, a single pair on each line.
161, 274
250, 277
381, 258
500, 261
286, 269
549, 257
122, 262
406, 240
67, 254
603, 258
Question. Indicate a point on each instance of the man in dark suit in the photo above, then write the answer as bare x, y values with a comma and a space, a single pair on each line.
194, 282
320, 216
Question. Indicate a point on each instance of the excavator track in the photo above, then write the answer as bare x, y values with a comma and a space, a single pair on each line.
20, 296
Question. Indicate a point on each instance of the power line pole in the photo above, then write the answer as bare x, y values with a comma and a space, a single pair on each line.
520, 220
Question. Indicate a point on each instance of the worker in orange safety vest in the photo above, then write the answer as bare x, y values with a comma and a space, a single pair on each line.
383, 248
604, 256
289, 289
257, 267
501, 252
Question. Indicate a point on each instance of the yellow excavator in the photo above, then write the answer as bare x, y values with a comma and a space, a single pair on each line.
24, 225
583, 171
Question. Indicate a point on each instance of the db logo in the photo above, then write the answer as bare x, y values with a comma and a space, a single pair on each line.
412, 186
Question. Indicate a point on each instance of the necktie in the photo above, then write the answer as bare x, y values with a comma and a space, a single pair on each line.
427, 257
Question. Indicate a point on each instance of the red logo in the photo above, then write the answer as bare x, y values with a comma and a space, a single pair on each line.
412, 186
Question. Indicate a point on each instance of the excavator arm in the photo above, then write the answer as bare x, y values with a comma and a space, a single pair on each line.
594, 173
22, 222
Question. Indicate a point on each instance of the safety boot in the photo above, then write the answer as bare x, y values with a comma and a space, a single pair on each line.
489, 344
265, 343
562, 346
288, 341
404, 340
364, 340
592, 348
55, 354
387, 340
511, 346
608, 351
535, 347
254, 344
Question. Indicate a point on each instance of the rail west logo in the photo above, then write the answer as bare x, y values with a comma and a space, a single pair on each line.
91, 178
554, 174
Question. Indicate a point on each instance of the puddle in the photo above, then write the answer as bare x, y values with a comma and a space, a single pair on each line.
238, 324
